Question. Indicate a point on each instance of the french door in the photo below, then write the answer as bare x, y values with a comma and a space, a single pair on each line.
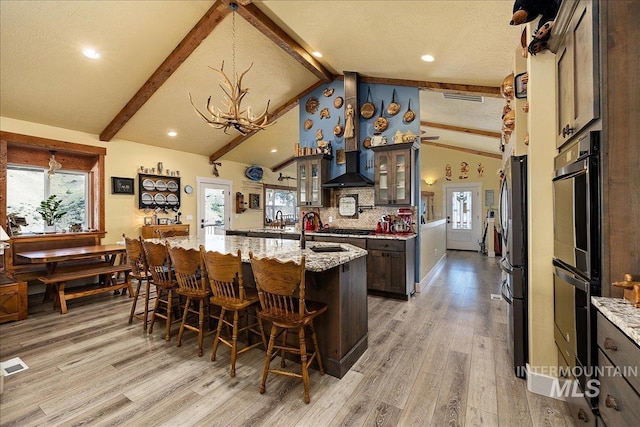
462, 203
214, 205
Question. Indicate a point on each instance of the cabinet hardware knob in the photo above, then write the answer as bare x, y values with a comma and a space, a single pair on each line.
610, 402
567, 130
582, 415
609, 344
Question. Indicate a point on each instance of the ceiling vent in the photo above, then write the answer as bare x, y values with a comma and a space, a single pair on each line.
463, 97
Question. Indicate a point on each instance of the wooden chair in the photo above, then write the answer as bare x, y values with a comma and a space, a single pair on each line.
139, 271
224, 272
192, 284
159, 266
277, 283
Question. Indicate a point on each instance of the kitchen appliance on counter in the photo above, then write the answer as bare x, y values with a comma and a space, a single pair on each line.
513, 224
576, 230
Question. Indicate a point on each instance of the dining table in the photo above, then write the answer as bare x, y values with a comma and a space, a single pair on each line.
52, 257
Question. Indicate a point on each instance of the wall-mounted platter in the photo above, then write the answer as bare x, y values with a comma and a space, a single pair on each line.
172, 186
147, 199
160, 199
161, 185
172, 199
148, 184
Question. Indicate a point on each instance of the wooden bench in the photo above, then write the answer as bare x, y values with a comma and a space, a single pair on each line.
108, 283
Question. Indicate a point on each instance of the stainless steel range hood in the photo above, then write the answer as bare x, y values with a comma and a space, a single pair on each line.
352, 177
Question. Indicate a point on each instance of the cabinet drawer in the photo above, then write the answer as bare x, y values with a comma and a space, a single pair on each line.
386, 245
579, 407
13, 301
618, 347
618, 402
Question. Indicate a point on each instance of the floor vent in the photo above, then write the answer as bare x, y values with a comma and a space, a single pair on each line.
13, 366
496, 297
463, 97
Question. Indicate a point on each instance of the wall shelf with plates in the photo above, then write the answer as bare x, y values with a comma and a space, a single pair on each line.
158, 191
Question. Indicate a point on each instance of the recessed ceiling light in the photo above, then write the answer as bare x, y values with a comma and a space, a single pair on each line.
274, 150
316, 54
90, 53
427, 58
172, 133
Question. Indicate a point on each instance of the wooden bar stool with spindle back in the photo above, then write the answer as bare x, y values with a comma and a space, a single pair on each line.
224, 272
139, 271
162, 278
278, 283
192, 284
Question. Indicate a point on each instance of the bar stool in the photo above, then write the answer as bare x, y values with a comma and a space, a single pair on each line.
224, 272
277, 283
192, 284
159, 266
139, 271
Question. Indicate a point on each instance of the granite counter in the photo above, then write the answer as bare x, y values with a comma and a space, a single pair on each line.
622, 314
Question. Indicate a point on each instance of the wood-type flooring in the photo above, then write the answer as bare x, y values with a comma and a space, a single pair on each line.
438, 359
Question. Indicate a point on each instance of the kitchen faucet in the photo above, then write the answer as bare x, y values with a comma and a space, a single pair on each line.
304, 217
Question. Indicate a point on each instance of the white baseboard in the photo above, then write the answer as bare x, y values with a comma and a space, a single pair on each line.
431, 274
541, 384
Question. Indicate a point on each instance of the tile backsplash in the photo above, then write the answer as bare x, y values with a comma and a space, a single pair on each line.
369, 217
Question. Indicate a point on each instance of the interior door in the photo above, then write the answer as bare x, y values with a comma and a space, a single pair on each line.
214, 206
463, 217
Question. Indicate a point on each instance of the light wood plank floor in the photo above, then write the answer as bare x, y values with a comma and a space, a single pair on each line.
438, 359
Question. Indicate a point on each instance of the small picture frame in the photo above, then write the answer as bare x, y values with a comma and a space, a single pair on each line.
121, 185
163, 221
254, 201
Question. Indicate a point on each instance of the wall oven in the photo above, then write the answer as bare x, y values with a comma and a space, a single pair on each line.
576, 207
576, 263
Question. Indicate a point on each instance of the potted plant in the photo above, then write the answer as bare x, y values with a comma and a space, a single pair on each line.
51, 211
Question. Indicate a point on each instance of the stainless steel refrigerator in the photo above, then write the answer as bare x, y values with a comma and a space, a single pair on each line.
513, 225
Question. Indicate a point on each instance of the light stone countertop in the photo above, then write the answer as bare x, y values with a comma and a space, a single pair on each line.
622, 314
284, 250
289, 230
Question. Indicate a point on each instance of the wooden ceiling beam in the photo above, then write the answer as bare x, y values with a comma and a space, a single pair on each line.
273, 32
283, 164
489, 91
462, 129
465, 150
287, 106
189, 43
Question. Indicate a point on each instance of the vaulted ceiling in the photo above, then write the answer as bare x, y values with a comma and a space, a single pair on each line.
155, 53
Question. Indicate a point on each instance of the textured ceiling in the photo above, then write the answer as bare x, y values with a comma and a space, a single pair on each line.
44, 78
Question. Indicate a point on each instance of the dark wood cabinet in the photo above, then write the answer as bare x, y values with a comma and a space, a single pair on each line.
577, 69
390, 266
13, 299
618, 400
158, 191
394, 174
313, 171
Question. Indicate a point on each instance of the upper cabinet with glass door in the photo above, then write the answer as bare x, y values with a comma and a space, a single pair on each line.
394, 174
313, 171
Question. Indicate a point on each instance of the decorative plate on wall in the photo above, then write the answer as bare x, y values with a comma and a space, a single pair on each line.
312, 105
147, 199
172, 199
161, 185
172, 186
254, 173
148, 184
160, 199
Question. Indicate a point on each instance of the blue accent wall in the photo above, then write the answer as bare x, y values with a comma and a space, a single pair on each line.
379, 93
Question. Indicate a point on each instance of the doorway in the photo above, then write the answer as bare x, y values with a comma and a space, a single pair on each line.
214, 206
462, 210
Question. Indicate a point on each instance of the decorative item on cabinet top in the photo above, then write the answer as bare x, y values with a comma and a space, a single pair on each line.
158, 191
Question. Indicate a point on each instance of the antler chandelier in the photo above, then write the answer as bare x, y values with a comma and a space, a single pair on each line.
232, 115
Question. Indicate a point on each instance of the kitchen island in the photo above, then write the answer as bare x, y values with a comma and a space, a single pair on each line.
338, 279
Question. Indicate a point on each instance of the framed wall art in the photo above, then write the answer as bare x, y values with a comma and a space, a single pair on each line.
121, 185
254, 201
